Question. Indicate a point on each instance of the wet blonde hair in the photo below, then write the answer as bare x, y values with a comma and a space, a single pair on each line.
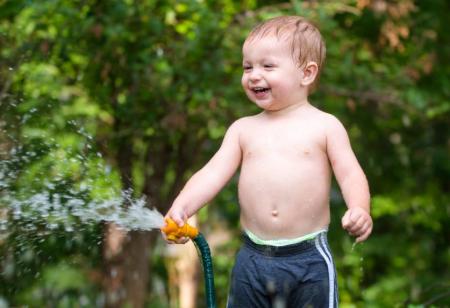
306, 41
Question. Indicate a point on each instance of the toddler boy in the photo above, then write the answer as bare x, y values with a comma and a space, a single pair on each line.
286, 155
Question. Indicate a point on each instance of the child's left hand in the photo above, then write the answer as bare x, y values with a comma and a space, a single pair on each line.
358, 223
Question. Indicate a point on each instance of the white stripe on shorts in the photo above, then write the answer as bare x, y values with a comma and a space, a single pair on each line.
323, 250
328, 252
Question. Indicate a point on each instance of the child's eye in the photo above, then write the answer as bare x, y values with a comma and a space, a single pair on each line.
269, 66
247, 67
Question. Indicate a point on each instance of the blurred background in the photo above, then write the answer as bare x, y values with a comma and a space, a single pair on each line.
98, 98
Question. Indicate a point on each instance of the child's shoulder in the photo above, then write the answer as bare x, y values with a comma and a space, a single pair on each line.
331, 125
327, 119
244, 122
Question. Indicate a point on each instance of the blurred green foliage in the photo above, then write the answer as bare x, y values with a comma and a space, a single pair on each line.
86, 86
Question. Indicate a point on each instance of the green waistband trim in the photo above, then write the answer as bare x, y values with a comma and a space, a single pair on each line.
283, 242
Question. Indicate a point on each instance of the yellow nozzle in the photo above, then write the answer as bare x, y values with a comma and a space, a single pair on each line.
174, 232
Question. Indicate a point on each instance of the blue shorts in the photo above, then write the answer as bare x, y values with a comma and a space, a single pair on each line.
299, 275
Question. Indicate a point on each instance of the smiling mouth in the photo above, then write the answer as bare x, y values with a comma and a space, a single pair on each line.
258, 90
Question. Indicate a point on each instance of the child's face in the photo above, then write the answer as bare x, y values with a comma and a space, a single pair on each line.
271, 78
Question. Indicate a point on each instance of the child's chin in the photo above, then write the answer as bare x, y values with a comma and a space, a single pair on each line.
264, 105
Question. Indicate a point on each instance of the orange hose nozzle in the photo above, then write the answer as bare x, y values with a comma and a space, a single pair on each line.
174, 232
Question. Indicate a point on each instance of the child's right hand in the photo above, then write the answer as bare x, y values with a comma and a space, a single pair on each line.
179, 217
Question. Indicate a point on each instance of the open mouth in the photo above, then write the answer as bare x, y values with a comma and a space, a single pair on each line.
261, 90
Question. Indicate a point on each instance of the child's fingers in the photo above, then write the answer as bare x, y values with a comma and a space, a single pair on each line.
179, 221
365, 235
365, 231
178, 218
357, 224
352, 221
346, 220
181, 240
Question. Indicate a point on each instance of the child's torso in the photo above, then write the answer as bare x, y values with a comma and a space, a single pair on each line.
285, 176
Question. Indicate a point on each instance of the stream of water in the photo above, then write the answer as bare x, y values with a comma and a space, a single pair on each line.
68, 210
53, 198
59, 201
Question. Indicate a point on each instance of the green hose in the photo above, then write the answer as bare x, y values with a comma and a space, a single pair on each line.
205, 254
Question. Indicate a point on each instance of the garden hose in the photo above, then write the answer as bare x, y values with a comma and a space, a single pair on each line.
174, 232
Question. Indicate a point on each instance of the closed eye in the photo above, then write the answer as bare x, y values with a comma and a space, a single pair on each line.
269, 66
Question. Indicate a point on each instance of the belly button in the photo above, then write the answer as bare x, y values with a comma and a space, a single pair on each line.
274, 213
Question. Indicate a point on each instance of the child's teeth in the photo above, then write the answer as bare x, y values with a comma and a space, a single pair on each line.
260, 89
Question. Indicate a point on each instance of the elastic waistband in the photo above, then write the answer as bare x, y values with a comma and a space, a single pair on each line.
283, 242
280, 251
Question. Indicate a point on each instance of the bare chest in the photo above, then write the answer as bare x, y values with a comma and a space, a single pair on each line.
283, 141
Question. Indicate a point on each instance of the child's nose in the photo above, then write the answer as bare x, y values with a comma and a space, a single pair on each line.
255, 75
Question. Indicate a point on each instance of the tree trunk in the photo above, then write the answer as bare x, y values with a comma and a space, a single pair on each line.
125, 255
127, 268
113, 277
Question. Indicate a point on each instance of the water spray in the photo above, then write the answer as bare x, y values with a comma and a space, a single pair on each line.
68, 202
174, 232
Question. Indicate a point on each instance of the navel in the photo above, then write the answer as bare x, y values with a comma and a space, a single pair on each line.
274, 213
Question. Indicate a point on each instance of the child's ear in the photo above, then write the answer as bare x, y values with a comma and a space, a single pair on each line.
309, 73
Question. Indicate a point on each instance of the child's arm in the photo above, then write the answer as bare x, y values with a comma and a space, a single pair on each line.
209, 180
351, 180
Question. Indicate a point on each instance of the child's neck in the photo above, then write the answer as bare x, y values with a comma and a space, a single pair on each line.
288, 109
